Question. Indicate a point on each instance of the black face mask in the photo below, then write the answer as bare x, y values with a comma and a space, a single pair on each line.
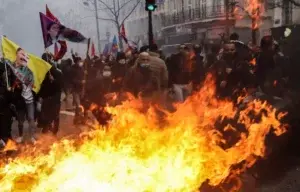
228, 56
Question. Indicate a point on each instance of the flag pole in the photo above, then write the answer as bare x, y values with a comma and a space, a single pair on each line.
86, 68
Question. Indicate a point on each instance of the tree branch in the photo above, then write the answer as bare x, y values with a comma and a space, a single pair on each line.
130, 12
80, 2
124, 4
110, 9
106, 19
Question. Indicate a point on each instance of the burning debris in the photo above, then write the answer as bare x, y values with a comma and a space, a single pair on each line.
138, 153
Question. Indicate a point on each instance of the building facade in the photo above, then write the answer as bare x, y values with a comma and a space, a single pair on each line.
197, 21
137, 23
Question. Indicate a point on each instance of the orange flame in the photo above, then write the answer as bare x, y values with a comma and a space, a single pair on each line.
10, 146
253, 8
143, 151
253, 62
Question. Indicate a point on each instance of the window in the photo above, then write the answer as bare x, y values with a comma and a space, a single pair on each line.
197, 3
217, 6
190, 16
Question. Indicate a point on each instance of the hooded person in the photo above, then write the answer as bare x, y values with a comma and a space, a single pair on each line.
140, 79
50, 98
158, 67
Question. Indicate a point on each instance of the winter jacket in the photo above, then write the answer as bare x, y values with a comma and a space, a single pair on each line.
159, 70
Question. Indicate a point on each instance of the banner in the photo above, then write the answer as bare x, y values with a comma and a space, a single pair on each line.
34, 73
53, 31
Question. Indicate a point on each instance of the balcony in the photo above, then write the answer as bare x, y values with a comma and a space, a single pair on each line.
194, 14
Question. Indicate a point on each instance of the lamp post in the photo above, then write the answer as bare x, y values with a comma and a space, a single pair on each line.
97, 23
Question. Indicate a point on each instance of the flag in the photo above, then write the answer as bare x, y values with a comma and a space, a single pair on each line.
37, 67
115, 46
93, 51
50, 15
106, 50
54, 31
62, 51
55, 49
123, 34
58, 54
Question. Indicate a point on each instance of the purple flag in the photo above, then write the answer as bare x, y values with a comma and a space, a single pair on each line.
53, 31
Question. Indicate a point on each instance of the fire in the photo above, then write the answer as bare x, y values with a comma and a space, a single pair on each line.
253, 9
253, 62
141, 152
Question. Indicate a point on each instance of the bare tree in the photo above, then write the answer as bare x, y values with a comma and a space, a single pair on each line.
73, 20
117, 11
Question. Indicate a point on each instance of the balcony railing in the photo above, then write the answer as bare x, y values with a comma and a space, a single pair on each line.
193, 14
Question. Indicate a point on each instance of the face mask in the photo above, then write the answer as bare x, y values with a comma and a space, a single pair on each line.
144, 65
122, 61
106, 74
228, 56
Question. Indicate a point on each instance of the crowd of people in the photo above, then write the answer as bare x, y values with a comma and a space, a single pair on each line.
145, 73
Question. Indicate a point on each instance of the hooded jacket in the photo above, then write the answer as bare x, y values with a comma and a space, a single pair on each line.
159, 69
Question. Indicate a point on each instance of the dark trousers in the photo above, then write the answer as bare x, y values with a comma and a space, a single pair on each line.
21, 117
5, 124
49, 117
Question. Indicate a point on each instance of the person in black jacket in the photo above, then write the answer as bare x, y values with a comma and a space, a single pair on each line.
232, 73
6, 114
78, 82
50, 96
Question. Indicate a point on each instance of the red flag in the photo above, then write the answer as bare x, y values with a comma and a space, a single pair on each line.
58, 53
55, 49
62, 51
93, 51
123, 33
50, 15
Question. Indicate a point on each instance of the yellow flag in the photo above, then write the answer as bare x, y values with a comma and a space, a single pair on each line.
38, 66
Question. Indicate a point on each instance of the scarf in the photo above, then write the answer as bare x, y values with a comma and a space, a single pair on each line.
23, 74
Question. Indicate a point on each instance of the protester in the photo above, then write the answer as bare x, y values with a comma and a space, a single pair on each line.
233, 73
118, 70
158, 67
50, 96
77, 86
6, 107
140, 79
181, 67
19, 85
